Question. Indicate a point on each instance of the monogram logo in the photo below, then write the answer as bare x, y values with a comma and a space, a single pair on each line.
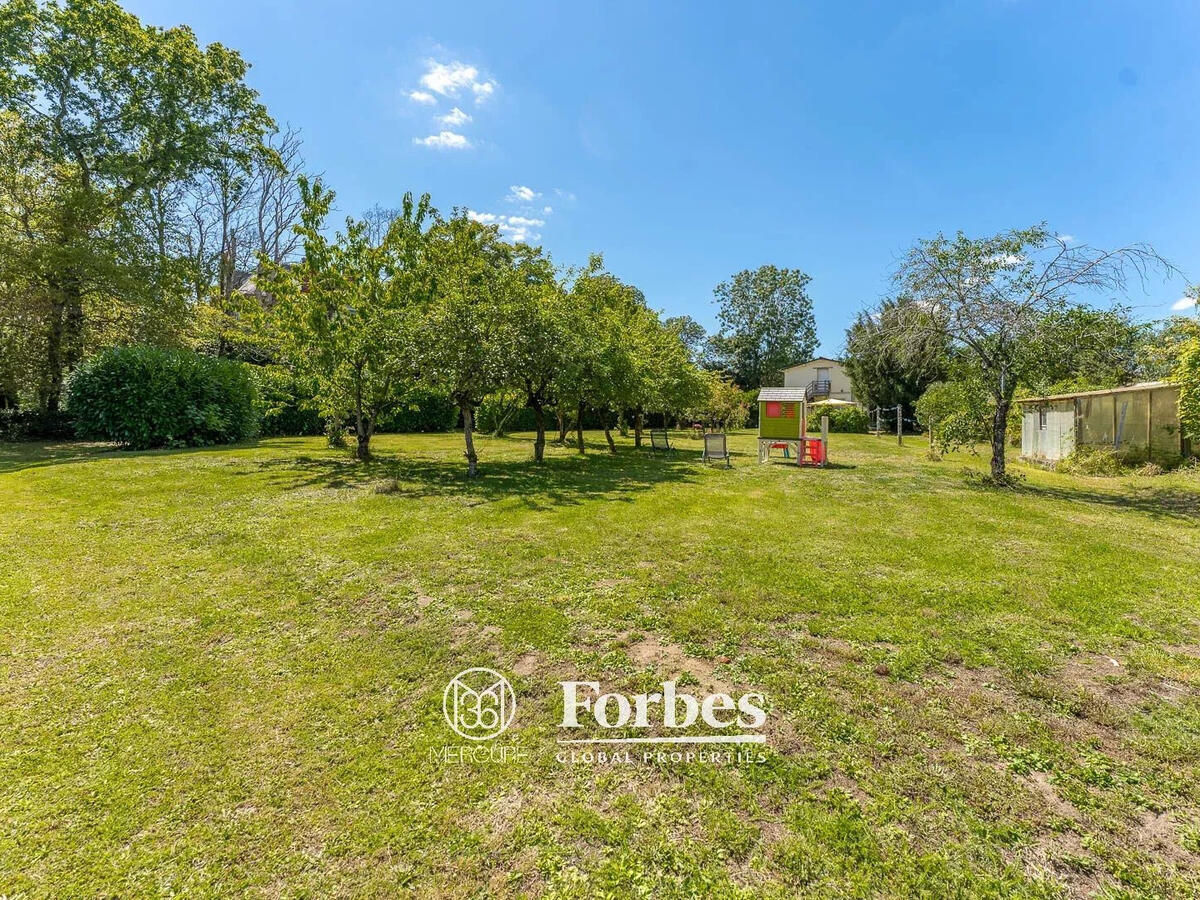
479, 704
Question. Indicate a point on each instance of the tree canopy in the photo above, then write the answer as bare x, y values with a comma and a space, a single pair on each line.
991, 299
767, 324
100, 115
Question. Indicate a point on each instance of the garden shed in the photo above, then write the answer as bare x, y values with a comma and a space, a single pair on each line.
781, 413
782, 416
1141, 420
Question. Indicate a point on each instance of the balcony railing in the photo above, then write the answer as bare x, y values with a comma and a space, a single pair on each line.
817, 390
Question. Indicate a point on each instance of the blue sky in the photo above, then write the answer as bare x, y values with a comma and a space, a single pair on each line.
688, 141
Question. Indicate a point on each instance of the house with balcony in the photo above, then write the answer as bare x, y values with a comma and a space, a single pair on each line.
822, 379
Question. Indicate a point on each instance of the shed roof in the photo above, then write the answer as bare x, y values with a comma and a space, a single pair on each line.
789, 395
1144, 386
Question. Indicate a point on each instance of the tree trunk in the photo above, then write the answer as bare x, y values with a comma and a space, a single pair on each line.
52, 379
579, 427
539, 418
637, 427
562, 426
612, 447
468, 415
361, 430
999, 439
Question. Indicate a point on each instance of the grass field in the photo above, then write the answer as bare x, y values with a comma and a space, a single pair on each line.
221, 671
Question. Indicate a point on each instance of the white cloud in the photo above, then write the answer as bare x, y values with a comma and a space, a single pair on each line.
422, 97
1066, 238
566, 195
512, 228
455, 117
1183, 303
547, 210
519, 193
451, 79
444, 140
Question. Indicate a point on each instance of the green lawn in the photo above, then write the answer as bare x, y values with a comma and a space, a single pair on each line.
221, 671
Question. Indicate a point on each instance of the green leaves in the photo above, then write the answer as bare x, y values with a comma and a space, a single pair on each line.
144, 397
767, 324
344, 316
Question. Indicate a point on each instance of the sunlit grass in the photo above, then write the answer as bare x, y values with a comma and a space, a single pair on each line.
221, 671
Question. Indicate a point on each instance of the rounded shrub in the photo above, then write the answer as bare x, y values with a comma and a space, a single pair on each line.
145, 397
842, 419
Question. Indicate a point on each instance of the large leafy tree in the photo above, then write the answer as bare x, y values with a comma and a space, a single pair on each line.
993, 298
544, 335
1080, 348
108, 112
604, 373
767, 324
343, 317
691, 333
466, 340
665, 378
887, 372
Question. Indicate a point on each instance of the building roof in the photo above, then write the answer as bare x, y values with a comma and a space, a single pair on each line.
788, 395
1143, 386
813, 360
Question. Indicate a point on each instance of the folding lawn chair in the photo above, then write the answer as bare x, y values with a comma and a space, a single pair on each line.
716, 448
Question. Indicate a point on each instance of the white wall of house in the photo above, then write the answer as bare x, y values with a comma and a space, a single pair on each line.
820, 370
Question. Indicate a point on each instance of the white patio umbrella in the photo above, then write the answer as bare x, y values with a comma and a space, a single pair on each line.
832, 401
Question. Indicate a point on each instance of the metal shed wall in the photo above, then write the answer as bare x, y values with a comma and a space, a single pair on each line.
1144, 423
1054, 442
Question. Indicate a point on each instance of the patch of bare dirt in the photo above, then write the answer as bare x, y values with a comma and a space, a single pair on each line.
1109, 680
671, 660
527, 664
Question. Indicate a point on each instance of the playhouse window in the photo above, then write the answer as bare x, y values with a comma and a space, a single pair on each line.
773, 410
789, 410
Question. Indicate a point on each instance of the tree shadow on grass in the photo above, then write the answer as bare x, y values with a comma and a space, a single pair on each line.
556, 482
37, 455
1159, 503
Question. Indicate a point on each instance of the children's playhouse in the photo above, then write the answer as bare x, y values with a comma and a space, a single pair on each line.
782, 425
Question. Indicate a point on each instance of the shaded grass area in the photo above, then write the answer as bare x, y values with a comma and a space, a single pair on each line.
221, 671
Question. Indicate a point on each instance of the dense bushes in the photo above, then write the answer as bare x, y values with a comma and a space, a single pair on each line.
1188, 375
842, 419
957, 412
142, 397
34, 424
420, 410
284, 403
505, 411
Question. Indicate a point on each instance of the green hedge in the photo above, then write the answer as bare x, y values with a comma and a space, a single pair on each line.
519, 419
842, 419
285, 403
34, 425
144, 397
420, 410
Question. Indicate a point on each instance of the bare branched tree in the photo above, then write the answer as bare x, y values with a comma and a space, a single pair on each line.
277, 200
989, 297
378, 219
